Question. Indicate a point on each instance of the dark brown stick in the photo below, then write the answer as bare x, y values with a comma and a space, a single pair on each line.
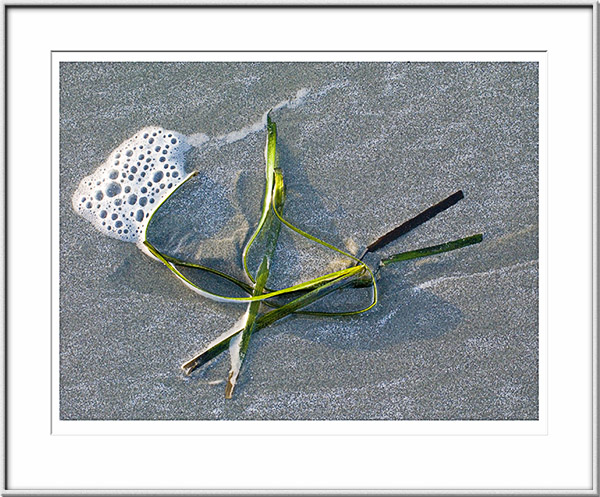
411, 224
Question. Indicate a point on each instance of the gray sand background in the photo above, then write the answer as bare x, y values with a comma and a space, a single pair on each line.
364, 147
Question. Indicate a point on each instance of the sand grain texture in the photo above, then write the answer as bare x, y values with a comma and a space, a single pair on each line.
363, 148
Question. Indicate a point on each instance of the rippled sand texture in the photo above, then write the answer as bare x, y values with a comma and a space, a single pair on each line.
363, 146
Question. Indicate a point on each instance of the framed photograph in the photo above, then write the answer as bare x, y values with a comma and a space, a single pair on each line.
244, 258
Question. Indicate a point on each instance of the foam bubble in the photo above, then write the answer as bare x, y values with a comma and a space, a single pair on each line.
118, 198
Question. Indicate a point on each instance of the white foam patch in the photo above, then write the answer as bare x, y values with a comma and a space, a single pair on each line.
118, 198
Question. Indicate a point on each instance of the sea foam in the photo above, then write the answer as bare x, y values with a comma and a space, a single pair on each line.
119, 197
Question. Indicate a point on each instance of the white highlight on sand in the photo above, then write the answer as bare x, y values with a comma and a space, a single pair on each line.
200, 139
240, 134
197, 139
501, 270
334, 85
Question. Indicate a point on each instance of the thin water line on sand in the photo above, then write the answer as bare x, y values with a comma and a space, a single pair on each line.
200, 139
489, 272
302, 96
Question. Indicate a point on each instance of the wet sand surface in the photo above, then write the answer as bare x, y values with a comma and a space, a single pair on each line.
363, 147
